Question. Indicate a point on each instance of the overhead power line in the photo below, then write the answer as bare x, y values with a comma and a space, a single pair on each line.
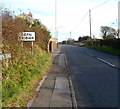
80, 21
87, 13
90, 15
100, 4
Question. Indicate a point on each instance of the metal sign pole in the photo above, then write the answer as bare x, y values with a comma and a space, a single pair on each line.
28, 36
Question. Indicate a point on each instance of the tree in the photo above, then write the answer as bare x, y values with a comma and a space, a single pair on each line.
83, 38
86, 37
79, 39
6, 15
110, 37
107, 31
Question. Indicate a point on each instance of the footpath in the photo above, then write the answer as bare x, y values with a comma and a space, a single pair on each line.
55, 90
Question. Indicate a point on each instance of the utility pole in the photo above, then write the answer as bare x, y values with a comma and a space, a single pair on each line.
56, 18
70, 34
56, 31
118, 19
118, 33
90, 23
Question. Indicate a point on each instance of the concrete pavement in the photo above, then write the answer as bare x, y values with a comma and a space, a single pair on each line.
61, 95
56, 90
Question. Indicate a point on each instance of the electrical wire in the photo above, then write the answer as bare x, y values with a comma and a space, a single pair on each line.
100, 4
87, 13
80, 22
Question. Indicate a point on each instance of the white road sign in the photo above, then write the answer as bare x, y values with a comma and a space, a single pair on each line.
5, 56
27, 36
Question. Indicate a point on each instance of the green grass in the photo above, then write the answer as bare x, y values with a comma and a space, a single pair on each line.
82, 45
21, 78
106, 49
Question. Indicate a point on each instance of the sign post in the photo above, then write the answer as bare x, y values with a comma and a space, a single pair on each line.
5, 57
28, 37
32, 48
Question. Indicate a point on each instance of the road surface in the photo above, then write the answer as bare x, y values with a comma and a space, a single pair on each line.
94, 75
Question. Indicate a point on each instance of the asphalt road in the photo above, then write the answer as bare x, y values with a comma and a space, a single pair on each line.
94, 75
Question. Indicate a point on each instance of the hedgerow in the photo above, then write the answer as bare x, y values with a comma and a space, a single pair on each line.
24, 69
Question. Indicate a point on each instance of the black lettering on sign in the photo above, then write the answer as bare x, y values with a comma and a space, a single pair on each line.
30, 34
5, 56
2, 56
24, 34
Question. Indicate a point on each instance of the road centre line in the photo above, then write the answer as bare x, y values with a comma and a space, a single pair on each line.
101, 60
89, 54
106, 62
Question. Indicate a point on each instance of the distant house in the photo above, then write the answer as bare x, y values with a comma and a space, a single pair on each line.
27, 17
53, 44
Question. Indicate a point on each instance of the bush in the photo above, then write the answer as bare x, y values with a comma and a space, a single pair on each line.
25, 70
18, 78
107, 49
113, 43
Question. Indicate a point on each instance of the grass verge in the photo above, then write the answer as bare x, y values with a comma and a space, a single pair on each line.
22, 77
106, 49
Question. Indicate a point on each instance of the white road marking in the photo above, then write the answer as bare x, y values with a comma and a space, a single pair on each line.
102, 60
106, 62
89, 54
73, 94
65, 60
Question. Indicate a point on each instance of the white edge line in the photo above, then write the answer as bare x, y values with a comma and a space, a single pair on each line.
73, 95
37, 89
65, 60
106, 62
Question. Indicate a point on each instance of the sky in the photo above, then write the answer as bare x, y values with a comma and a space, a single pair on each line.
72, 16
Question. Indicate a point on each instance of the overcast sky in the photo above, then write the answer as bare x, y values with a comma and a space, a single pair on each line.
72, 15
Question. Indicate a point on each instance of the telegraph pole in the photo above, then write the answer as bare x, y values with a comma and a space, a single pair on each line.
56, 31
118, 19
56, 18
90, 23
70, 34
